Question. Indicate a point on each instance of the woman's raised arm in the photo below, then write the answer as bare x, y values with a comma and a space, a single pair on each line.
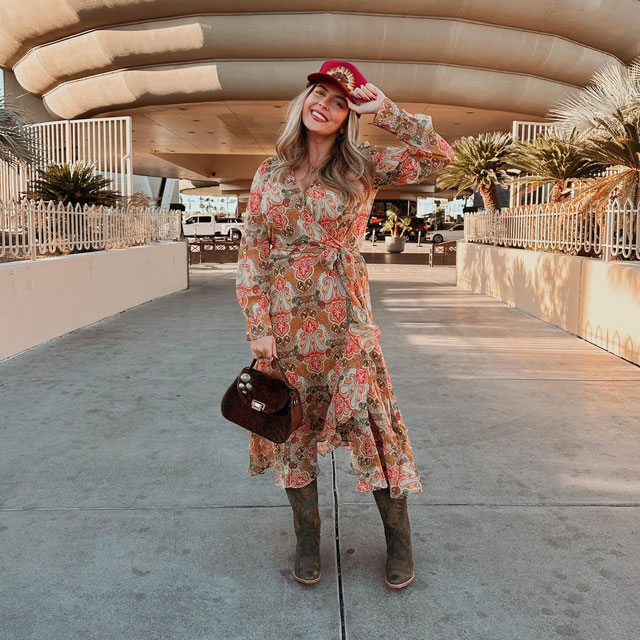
253, 277
426, 153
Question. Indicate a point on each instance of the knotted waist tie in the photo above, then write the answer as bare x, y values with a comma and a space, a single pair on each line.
344, 260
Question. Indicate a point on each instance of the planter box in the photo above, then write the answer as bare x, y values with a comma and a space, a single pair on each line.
46, 298
592, 299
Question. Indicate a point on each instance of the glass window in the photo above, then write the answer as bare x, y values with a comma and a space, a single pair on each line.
204, 219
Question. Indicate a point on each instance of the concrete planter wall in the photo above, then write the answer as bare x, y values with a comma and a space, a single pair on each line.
595, 300
47, 298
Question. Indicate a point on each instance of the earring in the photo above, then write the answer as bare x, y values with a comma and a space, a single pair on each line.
341, 136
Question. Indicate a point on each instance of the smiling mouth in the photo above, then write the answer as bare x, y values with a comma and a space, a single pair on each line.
318, 115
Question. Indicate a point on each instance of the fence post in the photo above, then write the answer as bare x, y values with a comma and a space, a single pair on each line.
105, 226
32, 231
129, 151
606, 249
67, 142
536, 232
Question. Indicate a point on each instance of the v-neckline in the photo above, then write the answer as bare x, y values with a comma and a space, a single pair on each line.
292, 174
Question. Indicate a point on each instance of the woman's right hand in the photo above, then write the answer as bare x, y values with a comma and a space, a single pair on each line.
264, 348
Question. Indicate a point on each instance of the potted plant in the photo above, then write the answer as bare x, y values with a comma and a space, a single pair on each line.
395, 242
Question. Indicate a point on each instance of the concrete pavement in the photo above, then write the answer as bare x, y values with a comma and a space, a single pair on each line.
126, 510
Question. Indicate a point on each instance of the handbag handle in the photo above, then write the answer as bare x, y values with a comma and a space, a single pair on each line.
279, 367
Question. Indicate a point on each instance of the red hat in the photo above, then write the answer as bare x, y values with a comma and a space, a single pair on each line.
341, 74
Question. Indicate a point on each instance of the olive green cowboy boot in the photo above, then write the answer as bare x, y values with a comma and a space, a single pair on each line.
399, 571
306, 522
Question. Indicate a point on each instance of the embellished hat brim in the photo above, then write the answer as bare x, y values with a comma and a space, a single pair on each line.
325, 77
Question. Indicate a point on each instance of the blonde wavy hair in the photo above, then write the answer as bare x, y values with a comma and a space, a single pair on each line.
349, 168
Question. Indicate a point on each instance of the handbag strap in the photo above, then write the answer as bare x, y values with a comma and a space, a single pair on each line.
279, 367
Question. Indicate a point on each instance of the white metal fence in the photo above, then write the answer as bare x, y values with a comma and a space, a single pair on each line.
520, 194
561, 228
29, 229
105, 143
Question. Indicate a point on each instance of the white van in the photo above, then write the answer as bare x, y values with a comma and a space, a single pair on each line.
209, 225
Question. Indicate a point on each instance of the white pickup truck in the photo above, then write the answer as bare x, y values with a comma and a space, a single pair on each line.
211, 224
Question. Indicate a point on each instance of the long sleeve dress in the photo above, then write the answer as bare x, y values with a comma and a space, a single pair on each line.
301, 278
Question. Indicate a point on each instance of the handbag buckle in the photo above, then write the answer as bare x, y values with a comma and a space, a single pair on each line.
257, 405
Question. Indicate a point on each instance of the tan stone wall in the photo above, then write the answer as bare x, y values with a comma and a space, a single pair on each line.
595, 300
610, 307
47, 298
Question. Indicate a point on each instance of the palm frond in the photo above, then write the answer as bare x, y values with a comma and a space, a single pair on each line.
557, 158
17, 142
612, 93
479, 162
76, 184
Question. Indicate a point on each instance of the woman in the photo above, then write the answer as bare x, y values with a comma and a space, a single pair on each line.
303, 287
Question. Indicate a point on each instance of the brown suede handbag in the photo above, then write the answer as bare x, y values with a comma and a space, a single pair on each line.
263, 404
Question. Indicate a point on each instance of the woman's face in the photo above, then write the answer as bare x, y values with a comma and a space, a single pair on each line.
325, 110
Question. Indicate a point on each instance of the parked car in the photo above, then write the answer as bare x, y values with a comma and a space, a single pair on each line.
417, 225
209, 225
450, 231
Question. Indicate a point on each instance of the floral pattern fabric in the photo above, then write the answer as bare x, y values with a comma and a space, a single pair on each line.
301, 278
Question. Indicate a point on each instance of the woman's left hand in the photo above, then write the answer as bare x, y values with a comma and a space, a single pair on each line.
368, 99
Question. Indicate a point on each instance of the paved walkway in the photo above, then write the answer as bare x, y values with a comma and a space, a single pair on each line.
126, 511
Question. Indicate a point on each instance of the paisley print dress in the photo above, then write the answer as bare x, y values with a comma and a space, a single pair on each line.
301, 278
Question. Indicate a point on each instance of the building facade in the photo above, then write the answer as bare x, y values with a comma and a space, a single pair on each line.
206, 82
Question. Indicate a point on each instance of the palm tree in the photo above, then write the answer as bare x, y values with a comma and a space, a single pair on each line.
75, 184
394, 221
480, 164
17, 144
558, 158
608, 113
137, 199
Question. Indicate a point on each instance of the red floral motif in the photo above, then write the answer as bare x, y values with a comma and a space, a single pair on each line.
281, 324
351, 346
310, 326
279, 220
304, 268
297, 480
337, 311
315, 362
408, 166
254, 203
360, 226
368, 447
342, 407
